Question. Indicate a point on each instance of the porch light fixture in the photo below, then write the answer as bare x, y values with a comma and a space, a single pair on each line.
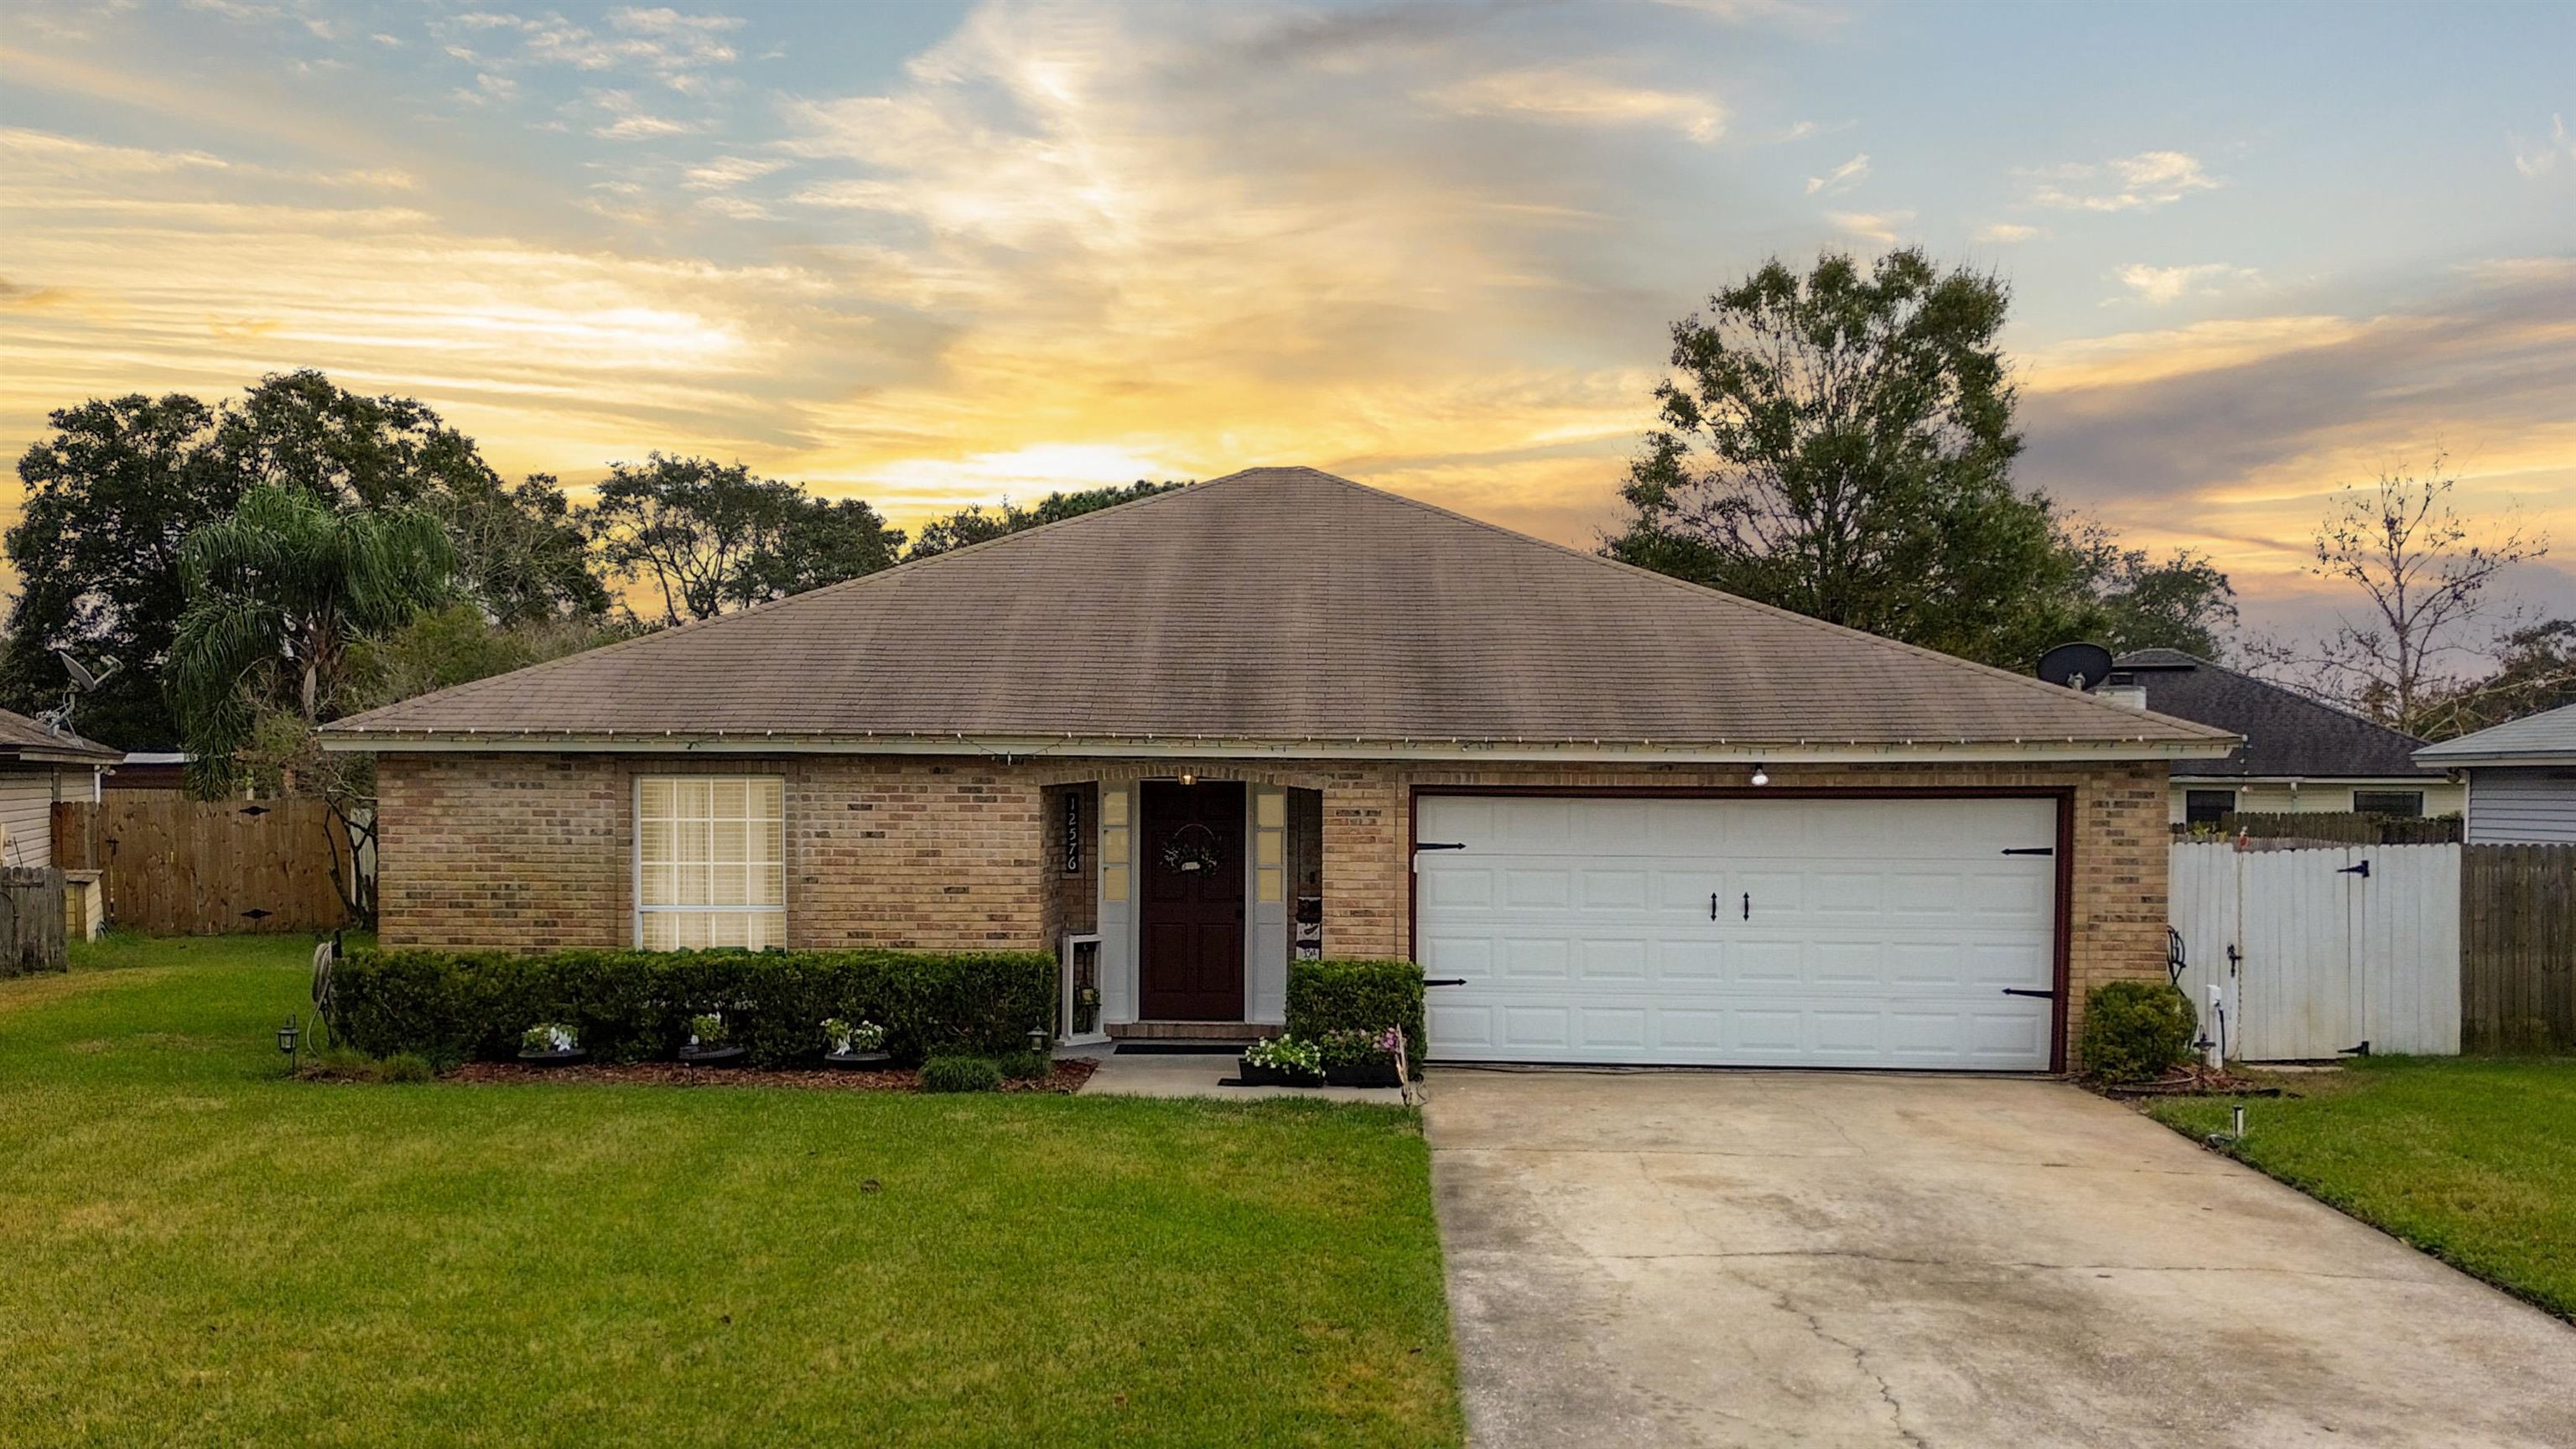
1760, 778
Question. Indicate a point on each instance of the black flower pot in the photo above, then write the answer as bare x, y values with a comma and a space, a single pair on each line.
554, 1059
714, 1056
857, 1061
1365, 1074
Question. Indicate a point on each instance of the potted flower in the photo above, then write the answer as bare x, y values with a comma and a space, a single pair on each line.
1283, 1061
1356, 1058
550, 1044
854, 1044
710, 1042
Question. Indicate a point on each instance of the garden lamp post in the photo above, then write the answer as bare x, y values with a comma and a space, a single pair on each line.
288, 1036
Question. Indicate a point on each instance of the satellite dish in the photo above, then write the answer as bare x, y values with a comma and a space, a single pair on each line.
82, 678
2077, 666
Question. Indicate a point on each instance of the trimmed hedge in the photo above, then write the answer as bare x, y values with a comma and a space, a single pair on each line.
2133, 1030
1357, 994
635, 1005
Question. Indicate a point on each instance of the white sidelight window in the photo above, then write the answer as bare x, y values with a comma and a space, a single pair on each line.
710, 861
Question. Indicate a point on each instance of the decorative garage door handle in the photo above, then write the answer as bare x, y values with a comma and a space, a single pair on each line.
1748, 905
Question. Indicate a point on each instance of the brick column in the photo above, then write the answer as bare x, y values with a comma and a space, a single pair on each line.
1366, 874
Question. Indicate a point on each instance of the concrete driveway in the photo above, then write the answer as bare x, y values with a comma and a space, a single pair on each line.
1819, 1259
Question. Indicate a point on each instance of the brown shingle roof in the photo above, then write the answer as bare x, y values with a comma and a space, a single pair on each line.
23, 738
1277, 604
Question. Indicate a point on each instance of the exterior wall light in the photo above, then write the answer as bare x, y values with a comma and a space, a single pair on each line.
1189, 777
1760, 778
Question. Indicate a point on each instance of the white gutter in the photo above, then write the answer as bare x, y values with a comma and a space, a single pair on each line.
1721, 752
2525, 761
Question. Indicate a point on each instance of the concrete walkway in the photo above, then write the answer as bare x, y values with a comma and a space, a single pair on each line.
1176, 1074
1824, 1259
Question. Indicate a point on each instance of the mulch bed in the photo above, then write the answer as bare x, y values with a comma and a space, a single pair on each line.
2193, 1081
1069, 1075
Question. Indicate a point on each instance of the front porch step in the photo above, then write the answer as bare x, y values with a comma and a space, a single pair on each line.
1190, 1031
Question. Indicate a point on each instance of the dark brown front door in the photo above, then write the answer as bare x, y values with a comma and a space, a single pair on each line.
1192, 926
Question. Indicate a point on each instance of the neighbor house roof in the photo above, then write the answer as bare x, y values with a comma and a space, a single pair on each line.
2287, 734
22, 738
2547, 737
1283, 606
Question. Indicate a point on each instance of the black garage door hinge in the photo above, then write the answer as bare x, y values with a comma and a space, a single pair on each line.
2030, 850
2026, 991
1440, 845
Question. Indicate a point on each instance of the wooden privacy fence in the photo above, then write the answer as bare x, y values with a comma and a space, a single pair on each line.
173, 866
2518, 948
2316, 951
31, 920
2434, 949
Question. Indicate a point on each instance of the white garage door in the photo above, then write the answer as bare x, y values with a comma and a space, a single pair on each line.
1742, 932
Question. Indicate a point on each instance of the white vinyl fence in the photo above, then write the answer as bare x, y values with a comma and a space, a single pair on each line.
2316, 951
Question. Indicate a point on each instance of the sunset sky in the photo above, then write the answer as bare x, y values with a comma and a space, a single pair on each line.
928, 254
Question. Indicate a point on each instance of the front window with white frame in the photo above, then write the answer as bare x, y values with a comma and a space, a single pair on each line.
710, 862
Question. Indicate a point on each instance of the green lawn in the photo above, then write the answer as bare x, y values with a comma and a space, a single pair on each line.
195, 1250
2471, 1159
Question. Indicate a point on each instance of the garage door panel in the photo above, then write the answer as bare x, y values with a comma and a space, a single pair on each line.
1847, 963
1610, 960
1613, 827
2025, 964
1534, 958
1882, 933
1454, 886
1548, 1028
1685, 962
1613, 889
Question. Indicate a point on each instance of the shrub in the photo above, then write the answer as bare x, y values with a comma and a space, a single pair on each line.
407, 1067
707, 1029
961, 1074
1027, 1066
2133, 1030
628, 1006
1357, 995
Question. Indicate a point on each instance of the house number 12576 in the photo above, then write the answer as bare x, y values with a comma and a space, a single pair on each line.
1072, 833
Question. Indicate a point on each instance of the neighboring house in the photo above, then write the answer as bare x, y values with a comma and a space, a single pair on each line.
2298, 755
38, 768
153, 770
2522, 778
1636, 820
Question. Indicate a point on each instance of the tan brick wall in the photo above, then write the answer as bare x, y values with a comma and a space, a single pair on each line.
536, 851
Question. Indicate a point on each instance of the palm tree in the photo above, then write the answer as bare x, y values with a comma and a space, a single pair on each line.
275, 594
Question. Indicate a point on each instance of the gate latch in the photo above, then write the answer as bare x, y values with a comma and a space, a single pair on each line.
2362, 870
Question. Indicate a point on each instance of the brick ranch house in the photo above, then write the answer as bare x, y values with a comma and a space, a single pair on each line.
1635, 820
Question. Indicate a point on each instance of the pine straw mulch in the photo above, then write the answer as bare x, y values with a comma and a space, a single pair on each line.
1068, 1076
2192, 1080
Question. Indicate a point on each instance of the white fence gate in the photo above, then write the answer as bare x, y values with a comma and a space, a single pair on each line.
2315, 951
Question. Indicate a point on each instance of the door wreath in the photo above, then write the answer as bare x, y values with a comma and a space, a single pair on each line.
1191, 849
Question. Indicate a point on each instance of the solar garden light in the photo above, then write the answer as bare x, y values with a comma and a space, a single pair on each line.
289, 1036
1037, 1039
